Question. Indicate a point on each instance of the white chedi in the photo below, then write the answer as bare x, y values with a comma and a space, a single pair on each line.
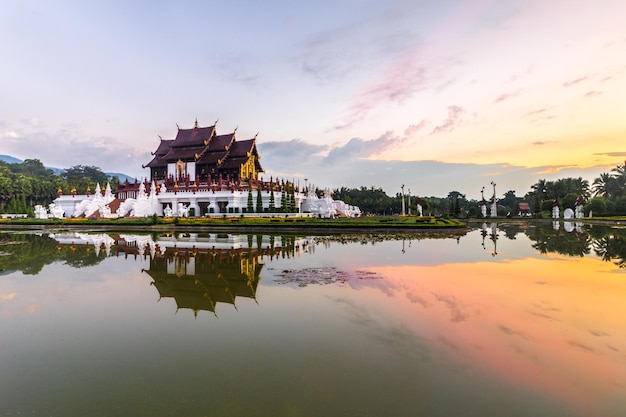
53, 212
144, 205
327, 207
95, 203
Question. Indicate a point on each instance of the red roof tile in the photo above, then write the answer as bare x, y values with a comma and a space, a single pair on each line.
220, 142
193, 137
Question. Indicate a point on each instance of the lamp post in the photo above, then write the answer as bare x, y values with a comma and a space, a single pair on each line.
402, 199
409, 201
494, 206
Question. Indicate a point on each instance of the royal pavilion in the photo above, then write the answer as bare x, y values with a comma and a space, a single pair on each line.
202, 173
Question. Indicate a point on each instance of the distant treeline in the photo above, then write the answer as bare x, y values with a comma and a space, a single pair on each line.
605, 196
24, 185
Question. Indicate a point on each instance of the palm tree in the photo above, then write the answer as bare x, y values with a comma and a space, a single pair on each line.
604, 185
540, 189
581, 187
619, 174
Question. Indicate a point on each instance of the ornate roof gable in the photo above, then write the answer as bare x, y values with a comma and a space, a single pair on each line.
198, 136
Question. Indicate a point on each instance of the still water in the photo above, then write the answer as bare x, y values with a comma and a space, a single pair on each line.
515, 320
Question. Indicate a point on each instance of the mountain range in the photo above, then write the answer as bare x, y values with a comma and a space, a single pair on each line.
13, 160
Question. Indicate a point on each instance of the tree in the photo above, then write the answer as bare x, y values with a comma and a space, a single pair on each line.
32, 168
620, 206
540, 190
604, 186
84, 176
619, 176
569, 200
259, 200
272, 204
292, 199
510, 202
598, 205
581, 187
283, 199
250, 207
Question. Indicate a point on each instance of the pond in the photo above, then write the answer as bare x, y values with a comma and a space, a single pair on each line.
507, 319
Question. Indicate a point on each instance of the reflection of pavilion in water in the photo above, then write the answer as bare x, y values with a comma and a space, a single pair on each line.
100, 241
201, 270
198, 270
198, 281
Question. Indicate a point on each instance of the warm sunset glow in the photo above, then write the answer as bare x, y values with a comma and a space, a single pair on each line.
557, 325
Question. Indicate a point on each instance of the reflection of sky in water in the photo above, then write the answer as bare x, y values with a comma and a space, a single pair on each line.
557, 327
443, 327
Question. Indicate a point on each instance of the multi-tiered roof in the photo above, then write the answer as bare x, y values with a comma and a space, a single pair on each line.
213, 155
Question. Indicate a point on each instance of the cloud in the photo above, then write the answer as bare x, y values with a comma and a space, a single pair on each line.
574, 82
536, 112
397, 84
611, 153
456, 307
505, 96
413, 129
544, 142
553, 169
244, 72
333, 53
32, 122
539, 114
7, 297
452, 122
581, 346
510, 332
357, 148
350, 165
293, 158
292, 150
65, 148
325, 58
10, 134
593, 93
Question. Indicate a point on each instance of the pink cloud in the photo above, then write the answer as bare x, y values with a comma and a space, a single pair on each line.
398, 84
536, 112
505, 96
413, 129
452, 122
573, 82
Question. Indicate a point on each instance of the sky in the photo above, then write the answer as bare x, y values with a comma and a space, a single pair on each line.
433, 95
